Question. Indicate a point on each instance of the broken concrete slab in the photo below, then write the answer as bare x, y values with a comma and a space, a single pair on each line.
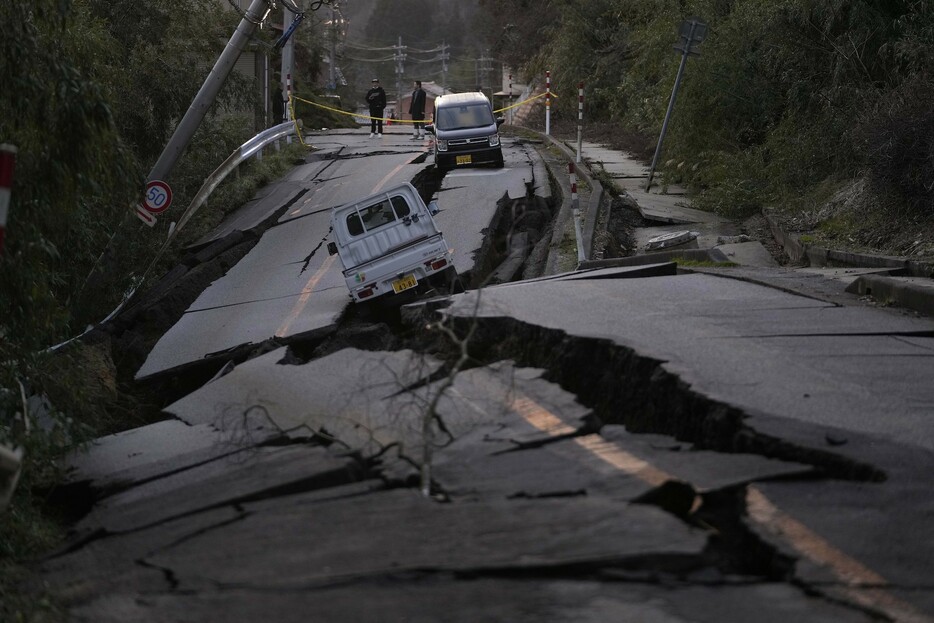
345, 539
856, 560
231, 479
487, 463
707, 235
623, 272
704, 470
750, 253
672, 209
730, 343
532, 408
120, 460
222, 329
357, 398
91, 567
267, 201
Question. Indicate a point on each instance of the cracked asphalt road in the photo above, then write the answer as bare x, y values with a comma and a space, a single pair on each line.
625, 444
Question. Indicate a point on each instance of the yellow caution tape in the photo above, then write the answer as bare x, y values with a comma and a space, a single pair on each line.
525, 101
359, 116
298, 129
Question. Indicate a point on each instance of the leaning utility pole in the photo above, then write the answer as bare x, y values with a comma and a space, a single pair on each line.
690, 33
209, 90
288, 64
331, 77
158, 193
399, 57
444, 66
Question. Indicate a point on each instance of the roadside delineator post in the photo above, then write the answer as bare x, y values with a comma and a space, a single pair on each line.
580, 119
547, 103
511, 110
7, 162
575, 206
288, 109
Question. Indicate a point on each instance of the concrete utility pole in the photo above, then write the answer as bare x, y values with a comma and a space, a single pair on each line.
399, 57
209, 90
691, 33
332, 78
288, 65
157, 196
444, 66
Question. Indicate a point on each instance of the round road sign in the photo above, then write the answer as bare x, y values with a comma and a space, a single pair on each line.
158, 197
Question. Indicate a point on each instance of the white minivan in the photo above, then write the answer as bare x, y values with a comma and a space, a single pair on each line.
466, 131
388, 243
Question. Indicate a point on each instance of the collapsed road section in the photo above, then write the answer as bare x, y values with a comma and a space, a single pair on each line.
578, 469
611, 444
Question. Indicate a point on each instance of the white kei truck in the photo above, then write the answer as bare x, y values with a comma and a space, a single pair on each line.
388, 243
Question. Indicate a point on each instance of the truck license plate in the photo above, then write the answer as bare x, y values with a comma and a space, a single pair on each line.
407, 282
464, 159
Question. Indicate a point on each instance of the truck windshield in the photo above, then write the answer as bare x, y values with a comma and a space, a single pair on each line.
463, 117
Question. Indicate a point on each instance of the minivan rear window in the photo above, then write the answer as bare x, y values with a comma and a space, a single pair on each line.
465, 116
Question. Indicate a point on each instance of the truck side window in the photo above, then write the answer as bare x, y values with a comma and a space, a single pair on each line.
401, 206
354, 225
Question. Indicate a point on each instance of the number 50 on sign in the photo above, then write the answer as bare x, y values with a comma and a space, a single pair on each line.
158, 197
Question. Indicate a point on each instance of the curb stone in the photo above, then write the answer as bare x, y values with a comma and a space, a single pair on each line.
909, 284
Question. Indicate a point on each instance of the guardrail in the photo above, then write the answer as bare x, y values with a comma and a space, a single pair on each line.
244, 152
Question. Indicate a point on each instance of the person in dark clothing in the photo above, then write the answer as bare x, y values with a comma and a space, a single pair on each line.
417, 110
278, 105
376, 99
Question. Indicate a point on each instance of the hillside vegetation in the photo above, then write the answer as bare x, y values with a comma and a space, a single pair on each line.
92, 90
818, 109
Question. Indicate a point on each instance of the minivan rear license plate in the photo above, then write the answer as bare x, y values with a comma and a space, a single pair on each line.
407, 282
464, 159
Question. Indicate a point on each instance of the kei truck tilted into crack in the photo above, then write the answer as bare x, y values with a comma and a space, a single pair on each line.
388, 243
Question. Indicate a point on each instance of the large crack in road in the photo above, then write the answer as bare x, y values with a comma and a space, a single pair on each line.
624, 408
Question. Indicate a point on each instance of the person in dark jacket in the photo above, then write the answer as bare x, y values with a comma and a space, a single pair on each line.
376, 99
278, 105
417, 110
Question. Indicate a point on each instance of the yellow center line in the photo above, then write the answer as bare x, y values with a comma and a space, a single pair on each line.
547, 422
863, 585
388, 177
303, 299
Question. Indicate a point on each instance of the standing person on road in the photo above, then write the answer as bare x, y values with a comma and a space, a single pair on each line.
376, 99
417, 110
278, 105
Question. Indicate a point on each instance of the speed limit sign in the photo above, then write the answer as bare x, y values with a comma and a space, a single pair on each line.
158, 197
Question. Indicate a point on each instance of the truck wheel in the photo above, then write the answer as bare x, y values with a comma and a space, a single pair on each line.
498, 163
